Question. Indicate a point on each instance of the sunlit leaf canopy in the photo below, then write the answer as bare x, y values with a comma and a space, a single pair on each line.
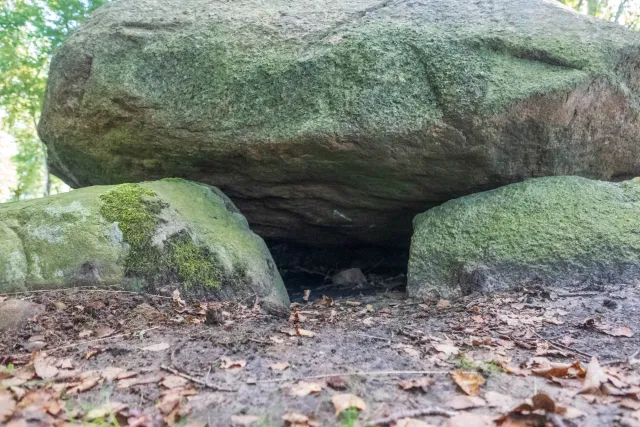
30, 30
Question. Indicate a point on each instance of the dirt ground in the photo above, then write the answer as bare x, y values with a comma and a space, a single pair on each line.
117, 358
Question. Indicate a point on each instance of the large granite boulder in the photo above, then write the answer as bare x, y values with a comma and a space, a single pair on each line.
555, 231
143, 236
336, 121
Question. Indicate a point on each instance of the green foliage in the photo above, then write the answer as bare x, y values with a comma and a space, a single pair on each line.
31, 30
348, 417
625, 12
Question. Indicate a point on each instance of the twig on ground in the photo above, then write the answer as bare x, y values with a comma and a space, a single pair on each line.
411, 414
195, 380
579, 294
563, 347
374, 337
100, 339
347, 374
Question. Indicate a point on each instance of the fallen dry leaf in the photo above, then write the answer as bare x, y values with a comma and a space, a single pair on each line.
304, 388
244, 420
447, 348
304, 333
104, 332
620, 331
157, 347
296, 419
470, 420
130, 382
411, 351
466, 402
174, 381
443, 303
102, 411
469, 382
7, 405
45, 367
594, 377
176, 298
226, 363
421, 384
307, 292
337, 383
343, 402
276, 340
279, 366
85, 333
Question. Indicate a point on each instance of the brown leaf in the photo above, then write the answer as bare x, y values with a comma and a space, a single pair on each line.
544, 402
411, 422
304, 388
86, 384
226, 363
279, 366
620, 331
104, 410
7, 405
594, 378
130, 382
560, 370
104, 332
469, 382
45, 367
304, 333
422, 384
411, 351
447, 348
157, 347
244, 420
111, 373
469, 420
443, 303
343, 402
295, 419
466, 402
337, 383
307, 292
174, 381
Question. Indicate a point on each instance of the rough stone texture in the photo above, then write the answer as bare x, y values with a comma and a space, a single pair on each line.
557, 231
15, 313
170, 232
336, 121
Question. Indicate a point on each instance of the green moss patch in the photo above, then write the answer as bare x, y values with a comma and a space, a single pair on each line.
136, 211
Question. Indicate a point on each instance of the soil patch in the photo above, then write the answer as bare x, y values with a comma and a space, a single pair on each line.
155, 360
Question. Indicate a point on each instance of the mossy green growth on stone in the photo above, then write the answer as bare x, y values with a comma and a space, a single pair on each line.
556, 231
147, 235
132, 208
338, 127
194, 265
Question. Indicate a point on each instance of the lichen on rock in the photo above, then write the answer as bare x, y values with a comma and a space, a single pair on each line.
147, 235
556, 231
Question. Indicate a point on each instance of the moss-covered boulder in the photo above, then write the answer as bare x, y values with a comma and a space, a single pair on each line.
555, 231
336, 121
168, 233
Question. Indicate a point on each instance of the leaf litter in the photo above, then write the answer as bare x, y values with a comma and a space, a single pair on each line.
480, 342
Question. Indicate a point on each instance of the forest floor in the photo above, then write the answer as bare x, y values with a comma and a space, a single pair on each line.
530, 358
